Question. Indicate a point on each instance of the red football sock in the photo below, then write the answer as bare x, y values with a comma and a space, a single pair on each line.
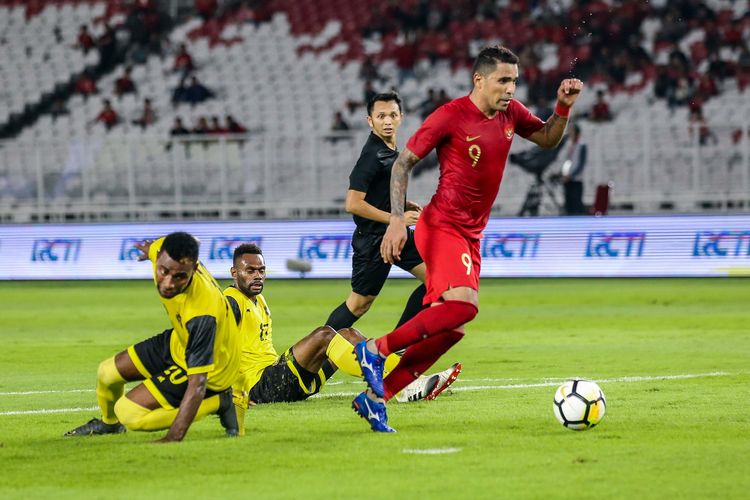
449, 315
418, 359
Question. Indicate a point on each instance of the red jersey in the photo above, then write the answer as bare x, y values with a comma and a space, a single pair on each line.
472, 150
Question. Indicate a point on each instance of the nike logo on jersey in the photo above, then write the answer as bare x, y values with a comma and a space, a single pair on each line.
469, 138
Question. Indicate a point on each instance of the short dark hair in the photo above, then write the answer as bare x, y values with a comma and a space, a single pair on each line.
385, 97
489, 58
180, 246
244, 249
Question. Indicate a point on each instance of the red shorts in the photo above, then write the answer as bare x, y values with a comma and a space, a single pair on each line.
452, 259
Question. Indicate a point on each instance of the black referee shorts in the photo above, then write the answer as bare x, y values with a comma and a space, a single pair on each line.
369, 272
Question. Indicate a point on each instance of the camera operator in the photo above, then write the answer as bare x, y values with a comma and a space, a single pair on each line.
536, 161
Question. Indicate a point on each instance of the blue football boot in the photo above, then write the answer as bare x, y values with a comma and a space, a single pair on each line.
372, 368
372, 411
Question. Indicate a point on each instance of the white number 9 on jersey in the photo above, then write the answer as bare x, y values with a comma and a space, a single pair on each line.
466, 260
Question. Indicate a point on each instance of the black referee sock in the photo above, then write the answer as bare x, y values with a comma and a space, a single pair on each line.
413, 305
341, 317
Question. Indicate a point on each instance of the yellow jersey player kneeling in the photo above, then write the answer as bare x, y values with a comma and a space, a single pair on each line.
187, 370
303, 369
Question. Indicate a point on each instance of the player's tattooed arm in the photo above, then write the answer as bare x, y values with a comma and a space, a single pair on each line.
549, 136
402, 167
395, 235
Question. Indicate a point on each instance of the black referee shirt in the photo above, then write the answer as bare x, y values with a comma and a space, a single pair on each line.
372, 176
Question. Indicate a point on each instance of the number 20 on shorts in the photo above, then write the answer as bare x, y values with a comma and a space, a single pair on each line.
466, 261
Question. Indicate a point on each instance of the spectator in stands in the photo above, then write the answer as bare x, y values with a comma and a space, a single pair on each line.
107, 45
368, 92
369, 71
662, 82
183, 61
178, 94
542, 108
85, 41
338, 128
681, 93
600, 110
178, 128
707, 87
233, 127
572, 172
201, 127
107, 116
85, 85
426, 107
125, 84
216, 128
206, 8
196, 92
442, 98
57, 33
743, 69
339, 124
698, 125
147, 116
406, 58
718, 68
673, 27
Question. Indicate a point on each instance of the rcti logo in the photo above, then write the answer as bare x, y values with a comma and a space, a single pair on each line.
54, 250
722, 244
222, 247
615, 245
510, 245
326, 247
128, 251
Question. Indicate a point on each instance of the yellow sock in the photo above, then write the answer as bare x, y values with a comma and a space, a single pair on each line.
137, 418
341, 352
390, 363
109, 388
240, 399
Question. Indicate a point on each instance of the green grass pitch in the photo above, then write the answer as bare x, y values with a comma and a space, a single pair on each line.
672, 356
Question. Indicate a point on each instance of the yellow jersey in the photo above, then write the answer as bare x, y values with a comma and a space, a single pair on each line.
205, 334
256, 332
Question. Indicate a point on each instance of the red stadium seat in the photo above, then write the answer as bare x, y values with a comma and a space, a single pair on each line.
601, 200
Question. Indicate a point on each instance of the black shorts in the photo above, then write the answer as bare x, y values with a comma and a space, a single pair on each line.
165, 380
286, 381
369, 272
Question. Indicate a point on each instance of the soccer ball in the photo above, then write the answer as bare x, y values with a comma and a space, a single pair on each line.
579, 404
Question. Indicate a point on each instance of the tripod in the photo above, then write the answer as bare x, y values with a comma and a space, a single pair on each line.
534, 197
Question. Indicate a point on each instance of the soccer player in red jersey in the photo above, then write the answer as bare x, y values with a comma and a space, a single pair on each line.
473, 135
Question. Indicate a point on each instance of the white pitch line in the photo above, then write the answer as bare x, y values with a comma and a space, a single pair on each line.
453, 388
25, 393
598, 381
56, 410
430, 451
560, 381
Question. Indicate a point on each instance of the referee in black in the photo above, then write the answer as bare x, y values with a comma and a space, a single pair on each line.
369, 201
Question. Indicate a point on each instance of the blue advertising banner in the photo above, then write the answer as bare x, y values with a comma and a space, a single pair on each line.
514, 247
